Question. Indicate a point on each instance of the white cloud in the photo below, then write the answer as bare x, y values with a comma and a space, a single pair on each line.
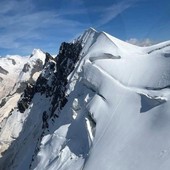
142, 43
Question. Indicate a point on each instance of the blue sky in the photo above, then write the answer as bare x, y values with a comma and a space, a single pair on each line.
44, 24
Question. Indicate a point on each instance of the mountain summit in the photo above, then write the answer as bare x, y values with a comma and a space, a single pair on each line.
101, 103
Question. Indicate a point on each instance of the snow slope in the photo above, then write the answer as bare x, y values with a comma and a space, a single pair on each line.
17, 73
105, 106
129, 103
12, 66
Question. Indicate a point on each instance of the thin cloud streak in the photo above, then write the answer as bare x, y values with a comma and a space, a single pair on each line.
109, 13
15, 6
23, 26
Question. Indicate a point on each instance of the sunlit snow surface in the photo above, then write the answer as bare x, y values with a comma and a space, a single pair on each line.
18, 72
118, 112
126, 91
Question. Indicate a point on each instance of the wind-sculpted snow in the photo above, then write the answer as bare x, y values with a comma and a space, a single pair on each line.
101, 104
136, 83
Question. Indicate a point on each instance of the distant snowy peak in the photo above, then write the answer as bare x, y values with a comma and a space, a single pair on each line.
16, 73
36, 51
15, 69
11, 67
33, 66
38, 54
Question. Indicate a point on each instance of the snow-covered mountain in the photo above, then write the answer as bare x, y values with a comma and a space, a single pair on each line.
15, 69
101, 103
16, 73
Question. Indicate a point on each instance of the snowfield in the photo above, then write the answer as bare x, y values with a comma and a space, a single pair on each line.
117, 114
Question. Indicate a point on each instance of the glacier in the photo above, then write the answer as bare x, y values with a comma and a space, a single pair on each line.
101, 103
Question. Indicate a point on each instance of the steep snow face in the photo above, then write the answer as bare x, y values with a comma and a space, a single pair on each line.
122, 92
102, 103
131, 105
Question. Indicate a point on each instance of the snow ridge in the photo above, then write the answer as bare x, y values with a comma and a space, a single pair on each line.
100, 103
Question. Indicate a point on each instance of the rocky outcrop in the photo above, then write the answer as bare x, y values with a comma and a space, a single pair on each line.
53, 79
3, 71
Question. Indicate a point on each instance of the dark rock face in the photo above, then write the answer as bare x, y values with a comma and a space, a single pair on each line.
3, 71
13, 61
3, 102
66, 60
26, 98
26, 68
1, 79
22, 87
42, 85
44, 119
53, 79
